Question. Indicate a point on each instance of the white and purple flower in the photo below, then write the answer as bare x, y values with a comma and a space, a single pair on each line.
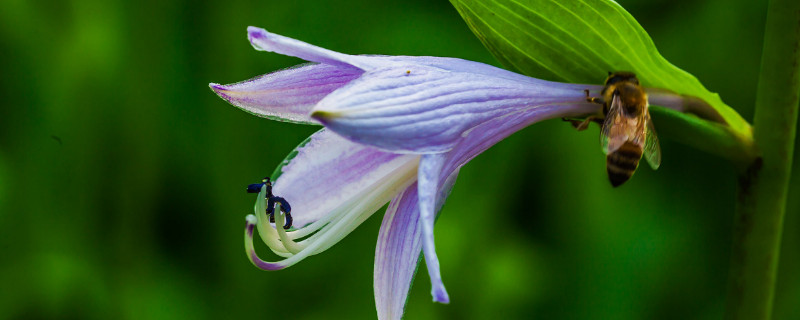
397, 129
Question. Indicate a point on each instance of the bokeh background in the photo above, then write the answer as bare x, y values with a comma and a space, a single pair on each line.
122, 175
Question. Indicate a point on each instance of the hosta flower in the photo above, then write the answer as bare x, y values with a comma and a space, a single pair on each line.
397, 129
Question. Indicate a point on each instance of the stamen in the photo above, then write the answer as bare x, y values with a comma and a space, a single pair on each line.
321, 234
292, 246
254, 188
250, 224
314, 247
311, 228
265, 231
271, 200
327, 232
264, 190
286, 208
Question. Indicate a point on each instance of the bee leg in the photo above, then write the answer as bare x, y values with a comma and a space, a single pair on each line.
574, 122
581, 125
593, 99
585, 124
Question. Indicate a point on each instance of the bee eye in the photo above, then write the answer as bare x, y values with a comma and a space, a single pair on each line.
613, 80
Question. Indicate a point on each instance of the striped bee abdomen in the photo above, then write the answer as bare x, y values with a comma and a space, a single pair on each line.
622, 163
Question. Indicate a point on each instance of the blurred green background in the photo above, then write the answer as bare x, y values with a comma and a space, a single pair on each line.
122, 175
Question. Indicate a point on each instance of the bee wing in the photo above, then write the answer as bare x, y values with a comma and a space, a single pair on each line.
615, 127
652, 149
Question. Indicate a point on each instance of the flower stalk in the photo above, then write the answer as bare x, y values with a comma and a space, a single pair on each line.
762, 188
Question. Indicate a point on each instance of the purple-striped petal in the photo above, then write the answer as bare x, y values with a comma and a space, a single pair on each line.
416, 108
428, 184
289, 94
263, 40
397, 254
333, 185
330, 171
491, 132
437, 167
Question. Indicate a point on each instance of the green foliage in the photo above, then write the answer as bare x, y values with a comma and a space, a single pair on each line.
763, 189
580, 41
139, 213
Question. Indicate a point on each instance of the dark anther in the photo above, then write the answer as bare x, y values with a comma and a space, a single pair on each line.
288, 223
271, 200
256, 187
285, 207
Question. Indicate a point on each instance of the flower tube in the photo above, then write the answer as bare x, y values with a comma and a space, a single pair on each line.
397, 128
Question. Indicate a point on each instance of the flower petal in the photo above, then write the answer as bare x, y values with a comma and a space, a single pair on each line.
289, 94
487, 134
397, 254
430, 166
334, 183
461, 65
264, 40
440, 167
685, 104
329, 171
249, 228
423, 109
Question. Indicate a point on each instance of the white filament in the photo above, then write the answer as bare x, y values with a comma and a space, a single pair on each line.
324, 233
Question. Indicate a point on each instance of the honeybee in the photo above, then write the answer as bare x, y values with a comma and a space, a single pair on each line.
627, 131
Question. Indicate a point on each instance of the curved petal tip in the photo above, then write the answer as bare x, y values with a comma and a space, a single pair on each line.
440, 294
220, 90
256, 33
264, 40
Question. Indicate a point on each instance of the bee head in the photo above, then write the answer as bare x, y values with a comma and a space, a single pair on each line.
621, 76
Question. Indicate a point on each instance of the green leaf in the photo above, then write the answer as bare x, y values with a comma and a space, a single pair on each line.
580, 41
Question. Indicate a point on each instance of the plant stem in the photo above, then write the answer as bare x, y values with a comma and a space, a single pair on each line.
762, 189
704, 135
